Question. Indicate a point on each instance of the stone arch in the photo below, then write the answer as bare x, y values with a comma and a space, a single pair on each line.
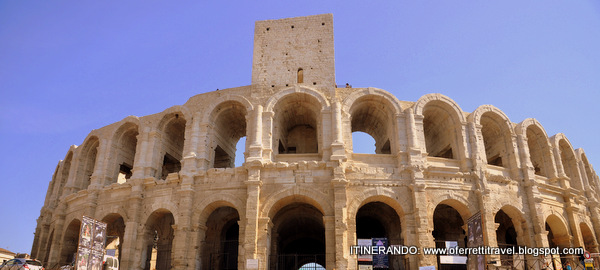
157, 239
497, 136
426, 99
374, 115
219, 235
351, 99
86, 163
203, 209
115, 232
168, 113
587, 235
568, 160
377, 195
229, 122
161, 206
224, 99
378, 216
297, 89
284, 197
70, 240
123, 149
558, 232
587, 168
539, 149
458, 202
63, 177
442, 126
172, 127
49, 247
112, 210
448, 220
298, 227
519, 222
297, 124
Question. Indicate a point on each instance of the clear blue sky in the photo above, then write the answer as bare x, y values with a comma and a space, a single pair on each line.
67, 67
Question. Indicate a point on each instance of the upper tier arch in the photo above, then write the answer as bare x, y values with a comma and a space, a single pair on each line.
270, 104
426, 99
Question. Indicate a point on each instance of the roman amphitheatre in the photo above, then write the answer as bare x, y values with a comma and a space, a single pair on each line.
167, 186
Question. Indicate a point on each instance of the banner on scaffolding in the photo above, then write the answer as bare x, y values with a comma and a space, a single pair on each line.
475, 239
90, 250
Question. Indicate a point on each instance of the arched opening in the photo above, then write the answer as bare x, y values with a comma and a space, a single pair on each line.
158, 240
558, 235
115, 233
300, 75
297, 237
70, 242
448, 231
229, 121
172, 144
124, 147
297, 118
442, 130
379, 220
66, 166
567, 157
496, 139
372, 114
588, 171
538, 150
239, 152
589, 241
87, 162
50, 191
363, 143
506, 236
48, 247
220, 247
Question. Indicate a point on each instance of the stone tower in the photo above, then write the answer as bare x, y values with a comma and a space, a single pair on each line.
294, 50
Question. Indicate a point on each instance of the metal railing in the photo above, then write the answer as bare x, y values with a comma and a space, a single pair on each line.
296, 261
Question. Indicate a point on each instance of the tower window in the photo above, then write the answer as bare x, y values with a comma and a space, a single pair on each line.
300, 75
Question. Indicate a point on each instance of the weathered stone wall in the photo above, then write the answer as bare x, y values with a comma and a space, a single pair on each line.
171, 173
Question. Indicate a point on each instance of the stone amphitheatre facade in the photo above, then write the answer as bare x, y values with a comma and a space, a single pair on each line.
168, 188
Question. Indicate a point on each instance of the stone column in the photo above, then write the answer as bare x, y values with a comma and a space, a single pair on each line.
423, 225
342, 247
338, 152
40, 231
264, 230
151, 149
489, 226
413, 138
91, 204
410, 237
99, 176
268, 151
180, 247
70, 186
189, 161
181, 242
251, 231
464, 148
55, 248
594, 208
141, 154
330, 245
573, 220
256, 145
131, 254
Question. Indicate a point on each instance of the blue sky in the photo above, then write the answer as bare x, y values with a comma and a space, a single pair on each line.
67, 67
